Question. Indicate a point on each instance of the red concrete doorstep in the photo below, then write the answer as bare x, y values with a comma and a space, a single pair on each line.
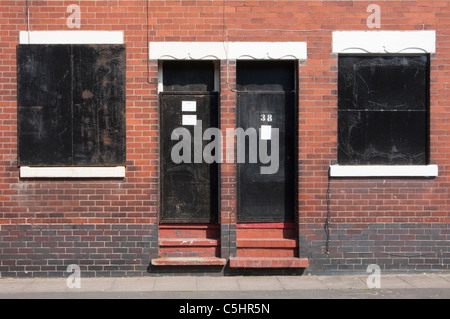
189, 261
268, 262
192, 242
267, 243
235, 262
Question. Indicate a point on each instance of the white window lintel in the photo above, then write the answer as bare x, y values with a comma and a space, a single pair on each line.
71, 37
228, 50
384, 171
72, 172
384, 42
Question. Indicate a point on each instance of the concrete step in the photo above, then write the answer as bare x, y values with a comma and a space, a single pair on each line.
267, 243
268, 262
189, 247
188, 242
189, 261
267, 253
188, 252
267, 230
173, 231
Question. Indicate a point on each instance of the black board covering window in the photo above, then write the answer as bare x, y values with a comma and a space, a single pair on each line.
71, 105
383, 110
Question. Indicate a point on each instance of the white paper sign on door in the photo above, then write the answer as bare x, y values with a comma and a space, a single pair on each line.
189, 120
266, 132
189, 106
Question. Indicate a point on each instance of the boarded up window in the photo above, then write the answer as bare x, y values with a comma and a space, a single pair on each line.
383, 110
71, 101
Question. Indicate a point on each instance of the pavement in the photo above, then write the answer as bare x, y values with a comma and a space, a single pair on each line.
243, 287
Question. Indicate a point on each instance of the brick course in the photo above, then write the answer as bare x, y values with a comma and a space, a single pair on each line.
395, 247
109, 227
46, 250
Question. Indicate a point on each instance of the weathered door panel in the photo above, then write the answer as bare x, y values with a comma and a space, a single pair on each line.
189, 191
268, 198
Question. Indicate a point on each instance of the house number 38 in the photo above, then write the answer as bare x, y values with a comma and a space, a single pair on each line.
266, 118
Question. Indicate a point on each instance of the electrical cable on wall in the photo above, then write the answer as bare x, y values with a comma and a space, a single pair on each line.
328, 221
226, 41
148, 45
27, 13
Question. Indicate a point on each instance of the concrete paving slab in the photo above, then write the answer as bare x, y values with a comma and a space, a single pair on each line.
344, 282
217, 284
175, 284
249, 286
145, 284
394, 282
259, 283
426, 281
94, 284
14, 285
301, 283
445, 276
48, 285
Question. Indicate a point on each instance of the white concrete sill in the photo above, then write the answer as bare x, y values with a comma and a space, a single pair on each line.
428, 171
72, 172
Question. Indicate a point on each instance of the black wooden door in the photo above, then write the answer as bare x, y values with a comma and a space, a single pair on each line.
268, 197
189, 190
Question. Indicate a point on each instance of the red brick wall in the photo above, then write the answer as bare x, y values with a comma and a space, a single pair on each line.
362, 211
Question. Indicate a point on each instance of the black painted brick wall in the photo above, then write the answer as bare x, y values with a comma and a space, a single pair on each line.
99, 250
228, 240
395, 247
